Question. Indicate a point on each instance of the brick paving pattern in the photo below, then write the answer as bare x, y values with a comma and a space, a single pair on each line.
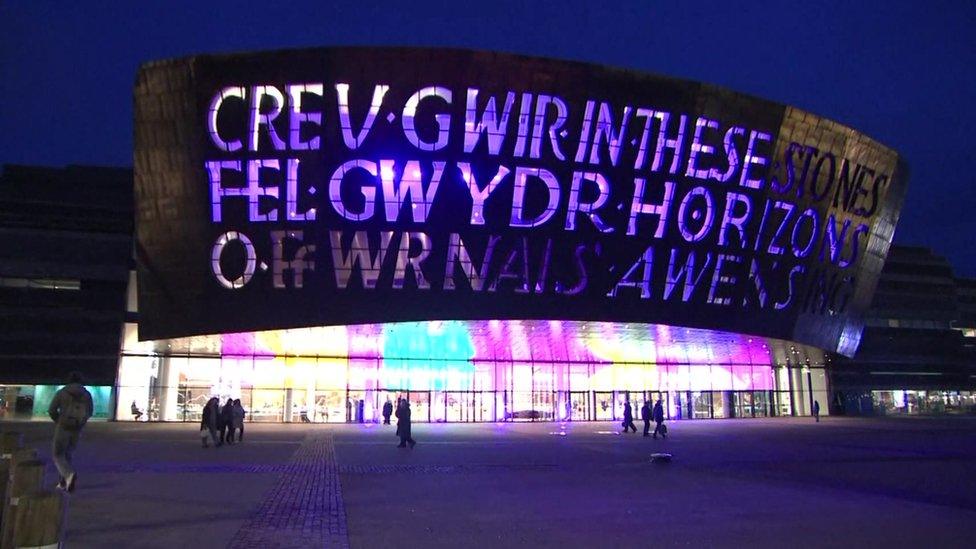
177, 468
305, 507
435, 469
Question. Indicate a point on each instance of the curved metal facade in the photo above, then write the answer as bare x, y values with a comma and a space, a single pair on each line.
363, 185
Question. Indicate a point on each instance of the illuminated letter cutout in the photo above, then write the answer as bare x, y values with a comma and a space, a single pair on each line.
730, 219
753, 159
490, 124
359, 255
803, 251
521, 181
255, 191
525, 112
696, 214
478, 196
443, 121
369, 193
584, 142
588, 209
258, 93
855, 246
638, 207
604, 131
697, 147
732, 155
508, 272
648, 116
404, 259
457, 255
298, 265
646, 260
719, 279
215, 104
250, 259
297, 117
663, 142
354, 142
542, 103
685, 275
411, 184
291, 194
217, 190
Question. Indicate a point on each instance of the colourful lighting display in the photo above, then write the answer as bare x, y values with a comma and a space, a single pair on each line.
462, 355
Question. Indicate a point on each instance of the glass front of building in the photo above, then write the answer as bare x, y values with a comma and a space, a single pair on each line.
455, 371
478, 371
32, 401
909, 402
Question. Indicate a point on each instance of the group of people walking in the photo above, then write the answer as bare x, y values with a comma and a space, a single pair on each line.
647, 414
222, 423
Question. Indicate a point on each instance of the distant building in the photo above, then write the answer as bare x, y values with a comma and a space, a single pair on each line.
917, 350
65, 256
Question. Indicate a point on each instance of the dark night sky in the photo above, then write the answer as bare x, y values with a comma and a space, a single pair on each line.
901, 72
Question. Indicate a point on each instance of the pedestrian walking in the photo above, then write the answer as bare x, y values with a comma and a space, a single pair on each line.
403, 425
226, 421
628, 422
646, 416
238, 419
208, 422
70, 409
658, 416
816, 410
387, 412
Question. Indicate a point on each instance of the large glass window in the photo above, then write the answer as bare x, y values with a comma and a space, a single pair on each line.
464, 371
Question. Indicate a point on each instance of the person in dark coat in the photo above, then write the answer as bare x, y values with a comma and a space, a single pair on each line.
816, 410
658, 415
646, 416
387, 412
403, 425
238, 421
208, 421
226, 420
628, 418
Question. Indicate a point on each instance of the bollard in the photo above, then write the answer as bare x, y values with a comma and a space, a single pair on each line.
39, 522
21, 455
18, 456
26, 479
4, 481
10, 441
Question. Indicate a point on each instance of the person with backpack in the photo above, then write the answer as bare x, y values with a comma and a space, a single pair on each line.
238, 420
646, 416
659, 420
208, 422
403, 425
225, 422
628, 422
70, 409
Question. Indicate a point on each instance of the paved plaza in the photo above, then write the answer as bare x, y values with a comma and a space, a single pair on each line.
775, 482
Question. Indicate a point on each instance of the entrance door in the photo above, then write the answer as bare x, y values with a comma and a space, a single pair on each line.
581, 408
419, 406
603, 405
651, 398
573, 406
760, 404
463, 406
701, 404
380, 398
